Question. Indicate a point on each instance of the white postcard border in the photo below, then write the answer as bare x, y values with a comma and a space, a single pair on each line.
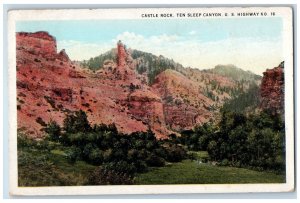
77, 14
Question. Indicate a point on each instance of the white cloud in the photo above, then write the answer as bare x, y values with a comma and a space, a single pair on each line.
248, 54
134, 40
193, 32
78, 50
129, 37
163, 38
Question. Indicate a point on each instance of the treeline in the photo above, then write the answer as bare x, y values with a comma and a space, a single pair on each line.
243, 101
96, 63
119, 156
153, 65
234, 72
255, 141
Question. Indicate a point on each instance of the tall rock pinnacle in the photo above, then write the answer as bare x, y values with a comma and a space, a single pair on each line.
122, 55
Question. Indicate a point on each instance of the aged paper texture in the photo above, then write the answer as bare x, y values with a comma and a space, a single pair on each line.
151, 101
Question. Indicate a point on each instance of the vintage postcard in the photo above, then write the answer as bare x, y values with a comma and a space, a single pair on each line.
151, 101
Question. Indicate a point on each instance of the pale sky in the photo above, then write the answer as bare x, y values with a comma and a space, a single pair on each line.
249, 43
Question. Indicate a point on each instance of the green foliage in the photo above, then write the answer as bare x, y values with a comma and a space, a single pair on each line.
35, 169
154, 160
38, 166
53, 130
96, 156
73, 154
24, 142
149, 63
121, 167
198, 139
235, 73
96, 63
244, 101
123, 155
153, 65
252, 141
107, 176
76, 122
255, 140
175, 153
209, 94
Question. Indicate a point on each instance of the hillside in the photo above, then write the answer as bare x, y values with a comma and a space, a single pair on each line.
133, 89
146, 63
234, 73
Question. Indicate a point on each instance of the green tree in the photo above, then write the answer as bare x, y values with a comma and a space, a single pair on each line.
96, 156
212, 149
53, 130
77, 122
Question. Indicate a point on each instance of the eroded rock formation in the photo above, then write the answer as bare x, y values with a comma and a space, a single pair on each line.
272, 89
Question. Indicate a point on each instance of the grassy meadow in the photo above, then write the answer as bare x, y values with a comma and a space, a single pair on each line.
191, 172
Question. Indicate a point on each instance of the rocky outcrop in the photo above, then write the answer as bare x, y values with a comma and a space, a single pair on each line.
272, 89
184, 104
39, 43
75, 74
62, 55
63, 94
146, 106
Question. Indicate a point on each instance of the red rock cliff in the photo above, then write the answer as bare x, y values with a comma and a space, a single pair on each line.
39, 43
49, 86
272, 89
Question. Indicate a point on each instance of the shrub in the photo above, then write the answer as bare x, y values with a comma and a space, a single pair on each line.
77, 122
252, 140
96, 156
73, 154
53, 130
132, 154
87, 150
119, 154
121, 167
107, 155
103, 176
143, 154
176, 153
224, 162
161, 152
77, 139
192, 156
141, 166
154, 160
139, 144
24, 142
150, 145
